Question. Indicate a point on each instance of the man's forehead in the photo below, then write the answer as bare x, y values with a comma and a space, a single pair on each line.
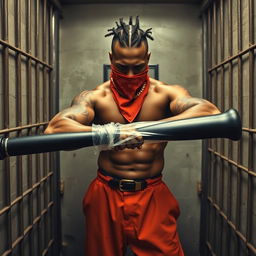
124, 52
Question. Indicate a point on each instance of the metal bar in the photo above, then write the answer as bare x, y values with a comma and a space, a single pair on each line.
208, 244
54, 107
230, 144
249, 130
239, 151
16, 49
232, 226
19, 123
239, 166
210, 82
45, 101
222, 103
215, 100
7, 189
205, 159
37, 118
50, 244
29, 111
250, 196
29, 191
230, 59
28, 230
29, 126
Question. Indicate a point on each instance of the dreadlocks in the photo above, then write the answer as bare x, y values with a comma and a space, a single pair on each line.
129, 35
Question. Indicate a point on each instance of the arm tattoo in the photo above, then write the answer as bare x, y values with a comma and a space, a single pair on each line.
79, 104
182, 104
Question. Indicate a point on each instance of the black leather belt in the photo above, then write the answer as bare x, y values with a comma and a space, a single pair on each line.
125, 185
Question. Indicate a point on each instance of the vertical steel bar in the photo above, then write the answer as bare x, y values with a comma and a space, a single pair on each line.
19, 123
251, 123
29, 111
45, 101
215, 100
7, 189
54, 90
222, 91
230, 103
51, 156
37, 89
211, 172
239, 151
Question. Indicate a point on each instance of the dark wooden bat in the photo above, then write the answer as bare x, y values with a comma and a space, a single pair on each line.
224, 125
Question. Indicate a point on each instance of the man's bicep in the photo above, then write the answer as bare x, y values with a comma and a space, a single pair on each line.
181, 100
80, 113
81, 109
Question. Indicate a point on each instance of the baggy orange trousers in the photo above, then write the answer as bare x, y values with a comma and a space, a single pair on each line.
145, 220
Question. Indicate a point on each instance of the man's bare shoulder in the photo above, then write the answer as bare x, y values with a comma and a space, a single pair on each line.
170, 89
91, 96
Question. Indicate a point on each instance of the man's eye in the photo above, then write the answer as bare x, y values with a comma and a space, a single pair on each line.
139, 67
122, 67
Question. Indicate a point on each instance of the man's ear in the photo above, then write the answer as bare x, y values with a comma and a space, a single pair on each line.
149, 54
110, 56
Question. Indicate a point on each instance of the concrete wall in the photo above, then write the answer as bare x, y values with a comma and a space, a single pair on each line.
177, 50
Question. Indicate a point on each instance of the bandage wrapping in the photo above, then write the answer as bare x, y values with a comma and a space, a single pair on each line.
106, 136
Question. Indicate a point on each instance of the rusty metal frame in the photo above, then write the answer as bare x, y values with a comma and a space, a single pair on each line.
39, 187
218, 224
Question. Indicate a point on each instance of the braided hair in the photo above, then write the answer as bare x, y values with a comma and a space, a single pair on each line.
129, 35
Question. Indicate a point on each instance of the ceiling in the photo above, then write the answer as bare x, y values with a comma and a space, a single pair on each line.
129, 1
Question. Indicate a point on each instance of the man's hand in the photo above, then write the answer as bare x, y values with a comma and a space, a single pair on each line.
129, 138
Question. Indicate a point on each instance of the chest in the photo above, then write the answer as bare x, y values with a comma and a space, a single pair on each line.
155, 107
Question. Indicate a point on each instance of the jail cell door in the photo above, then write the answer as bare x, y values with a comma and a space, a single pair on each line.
28, 195
229, 168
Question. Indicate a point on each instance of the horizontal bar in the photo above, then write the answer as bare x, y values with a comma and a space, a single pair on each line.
232, 225
252, 47
25, 54
19, 128
45, 251
249, 130
232, 162
35, 185
210, 248
28, 229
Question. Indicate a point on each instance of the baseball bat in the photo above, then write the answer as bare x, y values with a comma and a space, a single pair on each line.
223, 125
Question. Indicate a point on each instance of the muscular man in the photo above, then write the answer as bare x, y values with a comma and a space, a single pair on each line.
128, 203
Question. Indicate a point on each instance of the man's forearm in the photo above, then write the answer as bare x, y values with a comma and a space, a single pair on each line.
66, 125
201, 109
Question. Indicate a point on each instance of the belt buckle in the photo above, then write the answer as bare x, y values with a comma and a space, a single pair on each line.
136, 188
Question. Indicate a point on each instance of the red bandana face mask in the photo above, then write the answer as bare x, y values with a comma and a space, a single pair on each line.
129, 92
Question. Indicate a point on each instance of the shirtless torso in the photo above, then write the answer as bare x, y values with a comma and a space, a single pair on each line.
163, 102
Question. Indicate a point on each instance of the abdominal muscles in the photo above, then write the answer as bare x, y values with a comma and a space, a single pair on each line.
134, 163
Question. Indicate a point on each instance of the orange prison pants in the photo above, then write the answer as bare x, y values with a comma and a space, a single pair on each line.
144, 220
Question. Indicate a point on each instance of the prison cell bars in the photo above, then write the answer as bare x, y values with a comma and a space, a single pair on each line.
41, 59
214, 18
